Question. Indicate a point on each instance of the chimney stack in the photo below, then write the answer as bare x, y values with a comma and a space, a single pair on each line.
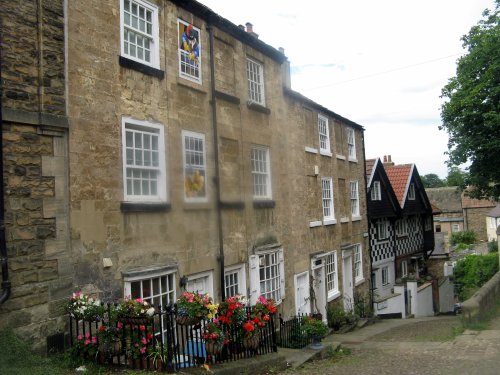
250, 30
388, 161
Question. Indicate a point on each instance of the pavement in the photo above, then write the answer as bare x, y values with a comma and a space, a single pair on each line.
382, 348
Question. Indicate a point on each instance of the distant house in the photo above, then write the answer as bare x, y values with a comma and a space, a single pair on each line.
492, 223
475, 213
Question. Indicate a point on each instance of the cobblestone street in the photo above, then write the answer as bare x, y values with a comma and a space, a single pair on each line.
427, 346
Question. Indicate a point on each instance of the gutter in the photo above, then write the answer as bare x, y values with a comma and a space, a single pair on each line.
6, 285
213, 102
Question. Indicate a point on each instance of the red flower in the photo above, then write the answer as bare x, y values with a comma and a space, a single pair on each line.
142, 328
249, 326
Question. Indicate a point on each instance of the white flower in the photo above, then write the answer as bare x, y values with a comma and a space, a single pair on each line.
150, 311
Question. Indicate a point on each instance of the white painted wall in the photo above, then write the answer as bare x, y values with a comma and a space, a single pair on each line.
446, 296
392, 305
424, 306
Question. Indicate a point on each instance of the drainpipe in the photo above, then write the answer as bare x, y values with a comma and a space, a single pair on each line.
3, 245
213, 102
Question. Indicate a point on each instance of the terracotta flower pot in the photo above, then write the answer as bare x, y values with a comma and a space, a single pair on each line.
213, 347
251, 342
185, 320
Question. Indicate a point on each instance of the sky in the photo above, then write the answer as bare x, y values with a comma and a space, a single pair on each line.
381, 64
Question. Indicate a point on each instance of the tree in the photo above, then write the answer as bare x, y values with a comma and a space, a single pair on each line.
456, 177
471, 114
431, 180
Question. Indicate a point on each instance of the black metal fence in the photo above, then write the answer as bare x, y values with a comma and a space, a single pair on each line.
291, 334
160, 342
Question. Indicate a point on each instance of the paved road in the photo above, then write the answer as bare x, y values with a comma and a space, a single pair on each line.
424, 346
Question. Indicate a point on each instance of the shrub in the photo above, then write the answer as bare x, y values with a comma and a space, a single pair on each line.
474, 271
314, 327
336, 317
466, 237
493, 246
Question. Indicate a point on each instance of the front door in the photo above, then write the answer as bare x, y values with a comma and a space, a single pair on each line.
347, 286
302, 295
319, 288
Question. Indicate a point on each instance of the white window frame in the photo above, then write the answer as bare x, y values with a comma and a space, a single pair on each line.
255, 82
386, 278
324, 136
351, 145
327, 201
358, 264
134, 126
455, 228
401, 227
240, 287
255, 265
382, 229
206, 277
331, 276
492, 221
187, 68
411, 192
168, 295
375, 191
404, 268
192, 168
153, 37
353, 187
261, 172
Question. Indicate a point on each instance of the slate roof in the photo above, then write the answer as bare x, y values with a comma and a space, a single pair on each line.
446, 198
399, 176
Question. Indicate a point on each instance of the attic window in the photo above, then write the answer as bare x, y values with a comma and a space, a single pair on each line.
411, 192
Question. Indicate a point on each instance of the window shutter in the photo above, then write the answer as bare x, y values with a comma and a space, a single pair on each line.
253, 262
282, 272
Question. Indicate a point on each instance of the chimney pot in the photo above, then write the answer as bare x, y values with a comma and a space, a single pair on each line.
249, 27
282, 50
385, 158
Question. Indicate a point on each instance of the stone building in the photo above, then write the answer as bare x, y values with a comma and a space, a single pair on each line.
190, 162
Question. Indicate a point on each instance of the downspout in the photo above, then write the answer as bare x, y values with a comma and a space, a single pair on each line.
213, 102
6, 286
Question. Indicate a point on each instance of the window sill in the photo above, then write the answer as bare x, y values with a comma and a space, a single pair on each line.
264, 204
313, 224
332, 296
359, 281
190, 206
227, 97
329, 222
232, 205
258, 107
144, 207
325, 153
356, 218
353, 160
140, 67
344, 220
311, 150
341, 157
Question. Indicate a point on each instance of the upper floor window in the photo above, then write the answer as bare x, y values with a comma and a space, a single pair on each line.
267, 276
332, 282
261, 172
375, 192
358, 263
382, 229
351, 145
327, 196
401, 227
354, 198
139, 32
194, 166
255, 76
404, 268
324, 136
189, 51
385, 275
143, 161
411, 192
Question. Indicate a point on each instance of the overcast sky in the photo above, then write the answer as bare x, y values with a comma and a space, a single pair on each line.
381, 64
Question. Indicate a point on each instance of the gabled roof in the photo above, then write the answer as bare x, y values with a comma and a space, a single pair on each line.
400, 177
370, 169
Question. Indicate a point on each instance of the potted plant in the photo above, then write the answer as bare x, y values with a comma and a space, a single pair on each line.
81, 306
193, 307
86, 346
214, 337
232, 311
315, 329
135, 311
157, 357
139, 344
251, 334
110, 339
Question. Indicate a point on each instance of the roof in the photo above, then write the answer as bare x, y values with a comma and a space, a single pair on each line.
370, 169
468, 202
446, 198
227, 26
495, 212
399, 176
435, 210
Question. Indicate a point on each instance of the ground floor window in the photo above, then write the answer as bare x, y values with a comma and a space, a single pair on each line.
234, 281
385, 275
267, 276
201, 283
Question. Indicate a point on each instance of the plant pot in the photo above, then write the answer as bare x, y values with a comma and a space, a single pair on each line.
316, 343
213, 348
185, 320
113, 347
251, 342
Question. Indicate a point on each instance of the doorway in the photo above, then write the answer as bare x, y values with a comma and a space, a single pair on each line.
347, 287
302, 293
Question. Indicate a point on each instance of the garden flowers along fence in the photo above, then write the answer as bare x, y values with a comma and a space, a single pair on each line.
167, 338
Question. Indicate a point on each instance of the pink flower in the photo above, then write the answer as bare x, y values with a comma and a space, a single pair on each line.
120, 325
86, 342
143, 349
79, 337
94, 340
87, 334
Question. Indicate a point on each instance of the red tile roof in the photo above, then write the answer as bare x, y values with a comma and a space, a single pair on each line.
399, 176
369, 163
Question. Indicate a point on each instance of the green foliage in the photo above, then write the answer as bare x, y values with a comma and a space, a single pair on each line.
471, 112
314, 327
456, 177
336, 317
432, 180
493, 246
466, 237
474, 271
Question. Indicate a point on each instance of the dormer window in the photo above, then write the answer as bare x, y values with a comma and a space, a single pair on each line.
375, 192
411, 192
